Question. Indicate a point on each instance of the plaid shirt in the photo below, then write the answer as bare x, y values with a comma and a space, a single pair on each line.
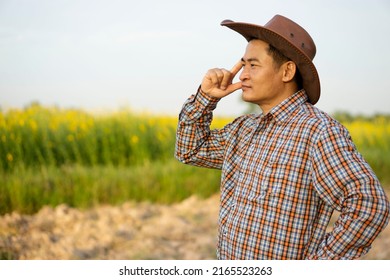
283, 175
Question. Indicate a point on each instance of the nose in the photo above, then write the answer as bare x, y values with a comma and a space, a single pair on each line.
244, 75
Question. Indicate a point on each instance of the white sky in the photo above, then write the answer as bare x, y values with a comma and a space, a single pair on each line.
151, 55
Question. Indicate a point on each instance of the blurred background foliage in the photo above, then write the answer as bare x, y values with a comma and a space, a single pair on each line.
50, 156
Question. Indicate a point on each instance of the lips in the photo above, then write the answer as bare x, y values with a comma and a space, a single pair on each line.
245, 87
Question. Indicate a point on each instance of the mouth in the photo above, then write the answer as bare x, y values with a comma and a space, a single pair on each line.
245, 87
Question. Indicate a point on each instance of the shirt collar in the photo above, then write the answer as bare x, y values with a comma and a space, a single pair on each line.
282, 112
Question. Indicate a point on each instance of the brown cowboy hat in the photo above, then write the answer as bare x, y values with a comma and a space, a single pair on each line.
291, 40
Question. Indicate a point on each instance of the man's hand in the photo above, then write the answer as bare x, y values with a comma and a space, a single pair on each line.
218, 82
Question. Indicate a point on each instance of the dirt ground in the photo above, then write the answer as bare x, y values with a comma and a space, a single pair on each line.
186, 231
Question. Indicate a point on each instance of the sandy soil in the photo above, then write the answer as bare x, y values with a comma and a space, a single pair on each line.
186, 230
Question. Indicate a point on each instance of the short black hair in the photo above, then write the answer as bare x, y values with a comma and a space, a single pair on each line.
278, 57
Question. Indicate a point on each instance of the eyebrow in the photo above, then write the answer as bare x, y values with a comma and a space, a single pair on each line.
250, 60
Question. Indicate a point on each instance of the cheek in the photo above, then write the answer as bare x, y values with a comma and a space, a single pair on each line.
263, 77
258, 78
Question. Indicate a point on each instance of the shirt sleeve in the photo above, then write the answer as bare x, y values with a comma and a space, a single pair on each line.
344, 180
196, 144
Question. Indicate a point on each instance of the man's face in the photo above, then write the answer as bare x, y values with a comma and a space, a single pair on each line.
262, 82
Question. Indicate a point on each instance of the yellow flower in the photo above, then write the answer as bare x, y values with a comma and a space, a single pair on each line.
160, 136
134, 139
10, 157
33, 125
70, 138
142, 127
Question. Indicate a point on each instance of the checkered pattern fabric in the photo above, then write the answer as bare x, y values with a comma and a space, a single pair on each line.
283, 175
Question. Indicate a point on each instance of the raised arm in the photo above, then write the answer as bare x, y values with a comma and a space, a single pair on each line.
196, 144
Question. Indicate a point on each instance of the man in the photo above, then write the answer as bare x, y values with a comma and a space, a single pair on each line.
287, 169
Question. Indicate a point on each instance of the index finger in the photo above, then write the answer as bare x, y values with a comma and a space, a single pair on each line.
236, 68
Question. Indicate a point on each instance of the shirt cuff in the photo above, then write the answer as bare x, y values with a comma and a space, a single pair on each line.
206, 101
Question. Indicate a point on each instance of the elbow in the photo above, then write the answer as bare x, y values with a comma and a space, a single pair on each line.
382, 213
182, 156
185, 158
386, 212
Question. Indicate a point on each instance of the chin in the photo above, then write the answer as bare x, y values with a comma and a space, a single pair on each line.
245, 96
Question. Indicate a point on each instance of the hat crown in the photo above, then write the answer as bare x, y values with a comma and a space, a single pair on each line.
293, 33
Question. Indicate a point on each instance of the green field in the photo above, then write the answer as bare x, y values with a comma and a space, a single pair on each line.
50, 156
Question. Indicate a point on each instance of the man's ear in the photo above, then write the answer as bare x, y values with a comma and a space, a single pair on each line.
289, 69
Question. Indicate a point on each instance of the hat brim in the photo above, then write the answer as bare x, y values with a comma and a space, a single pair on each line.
310, 78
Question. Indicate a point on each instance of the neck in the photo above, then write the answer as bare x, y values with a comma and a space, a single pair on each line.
267, 106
